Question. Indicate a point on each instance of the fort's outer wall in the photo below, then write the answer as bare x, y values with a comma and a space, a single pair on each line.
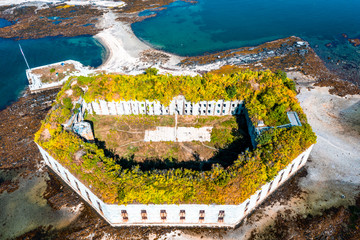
233, 214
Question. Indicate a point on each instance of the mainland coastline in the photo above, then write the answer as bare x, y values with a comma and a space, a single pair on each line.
124, 51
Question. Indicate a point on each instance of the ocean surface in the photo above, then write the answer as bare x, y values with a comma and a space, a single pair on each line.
39, 52
211, 25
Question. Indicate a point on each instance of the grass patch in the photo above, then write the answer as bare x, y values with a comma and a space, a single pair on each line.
123, 133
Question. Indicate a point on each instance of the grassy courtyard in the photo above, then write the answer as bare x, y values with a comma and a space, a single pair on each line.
123, 137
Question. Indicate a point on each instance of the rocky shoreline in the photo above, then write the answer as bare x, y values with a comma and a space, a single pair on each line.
38, 20
29, 22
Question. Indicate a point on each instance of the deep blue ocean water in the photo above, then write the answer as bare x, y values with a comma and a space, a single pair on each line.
212, 25
39, 52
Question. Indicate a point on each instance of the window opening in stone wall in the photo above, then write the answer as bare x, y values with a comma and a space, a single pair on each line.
77, 186
258, 197
163, 215
51, 164
292, 166
100, 207
124, 215
281, 177
57, 167
201, 216
221, 216
143, 215
67, 177
247, 207
270, 187
301, 161
182, 215
88, 196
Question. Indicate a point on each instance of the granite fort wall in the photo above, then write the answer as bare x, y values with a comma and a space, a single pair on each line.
179, 105
174, 215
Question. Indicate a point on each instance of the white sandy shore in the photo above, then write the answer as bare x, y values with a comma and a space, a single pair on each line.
126, 52
123, 47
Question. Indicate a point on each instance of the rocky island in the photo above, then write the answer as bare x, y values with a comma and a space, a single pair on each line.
338, 201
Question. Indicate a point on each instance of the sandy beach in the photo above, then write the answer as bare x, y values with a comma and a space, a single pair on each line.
129, 55
123, 47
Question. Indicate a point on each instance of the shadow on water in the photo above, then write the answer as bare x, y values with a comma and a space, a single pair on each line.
224, 156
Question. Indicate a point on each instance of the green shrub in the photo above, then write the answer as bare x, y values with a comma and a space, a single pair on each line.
231, 91
67, 103
151, 71
221, 137
77, 91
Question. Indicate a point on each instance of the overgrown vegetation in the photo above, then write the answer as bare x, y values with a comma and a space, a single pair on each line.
267, 97
151, 71
225, 134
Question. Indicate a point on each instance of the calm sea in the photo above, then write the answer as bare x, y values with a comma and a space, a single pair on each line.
38, 52
212, 25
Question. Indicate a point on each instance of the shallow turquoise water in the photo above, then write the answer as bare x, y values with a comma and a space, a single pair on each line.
39, 52
212, 25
